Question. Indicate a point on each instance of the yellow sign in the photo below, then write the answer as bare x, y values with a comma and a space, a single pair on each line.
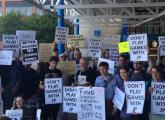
123, 47
76, 41
67, 67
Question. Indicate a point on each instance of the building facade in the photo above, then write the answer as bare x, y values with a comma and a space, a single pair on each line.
25, 8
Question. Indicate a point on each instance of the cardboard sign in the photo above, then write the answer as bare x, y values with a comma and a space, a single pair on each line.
91, 104
75, 41
94, 48
67, 67
45, 51
70, 99
124, 47
110, 63
29, 51
53, 90
119, 98
162, 45
61, 33
10, 42
135, 93
26, 35
6, 57
138, 47
81, 79
158, 98
14, 114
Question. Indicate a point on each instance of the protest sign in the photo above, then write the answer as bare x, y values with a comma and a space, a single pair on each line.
70, 99
94, 48
158, 98
162, 45
61, 33
81, 79
113, 53
110, 63
138, 47
45, 51
29, 50
14, 114
53, 90
119, 98
38, 114
67, 67
6, 57
111, 43
26, 35
135, 93
124, 47
10, 42
76, 41
91, 103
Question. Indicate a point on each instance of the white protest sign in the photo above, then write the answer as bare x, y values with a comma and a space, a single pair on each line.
53, 90
70, 99
162, 45
61, 34
138, 47
91, 104
158, 98
81, 79
110, 63
26, 35
29, 50
94, 47
10, 42
38, 114
6, 57
119, 98
135, 94
14, 114
113, 53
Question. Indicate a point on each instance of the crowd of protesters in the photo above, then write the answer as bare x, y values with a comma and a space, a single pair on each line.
22, 82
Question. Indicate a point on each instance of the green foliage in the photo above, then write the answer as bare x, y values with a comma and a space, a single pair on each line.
11, 22
43, 25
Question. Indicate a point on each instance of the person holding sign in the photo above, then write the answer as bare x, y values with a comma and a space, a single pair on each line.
122, 62
106, 54
138, 74
123, 72
85, 76
107, 81
156, 77
49, 111
18, 103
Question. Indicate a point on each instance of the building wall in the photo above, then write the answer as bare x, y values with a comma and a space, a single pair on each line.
21, 6
87, 29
